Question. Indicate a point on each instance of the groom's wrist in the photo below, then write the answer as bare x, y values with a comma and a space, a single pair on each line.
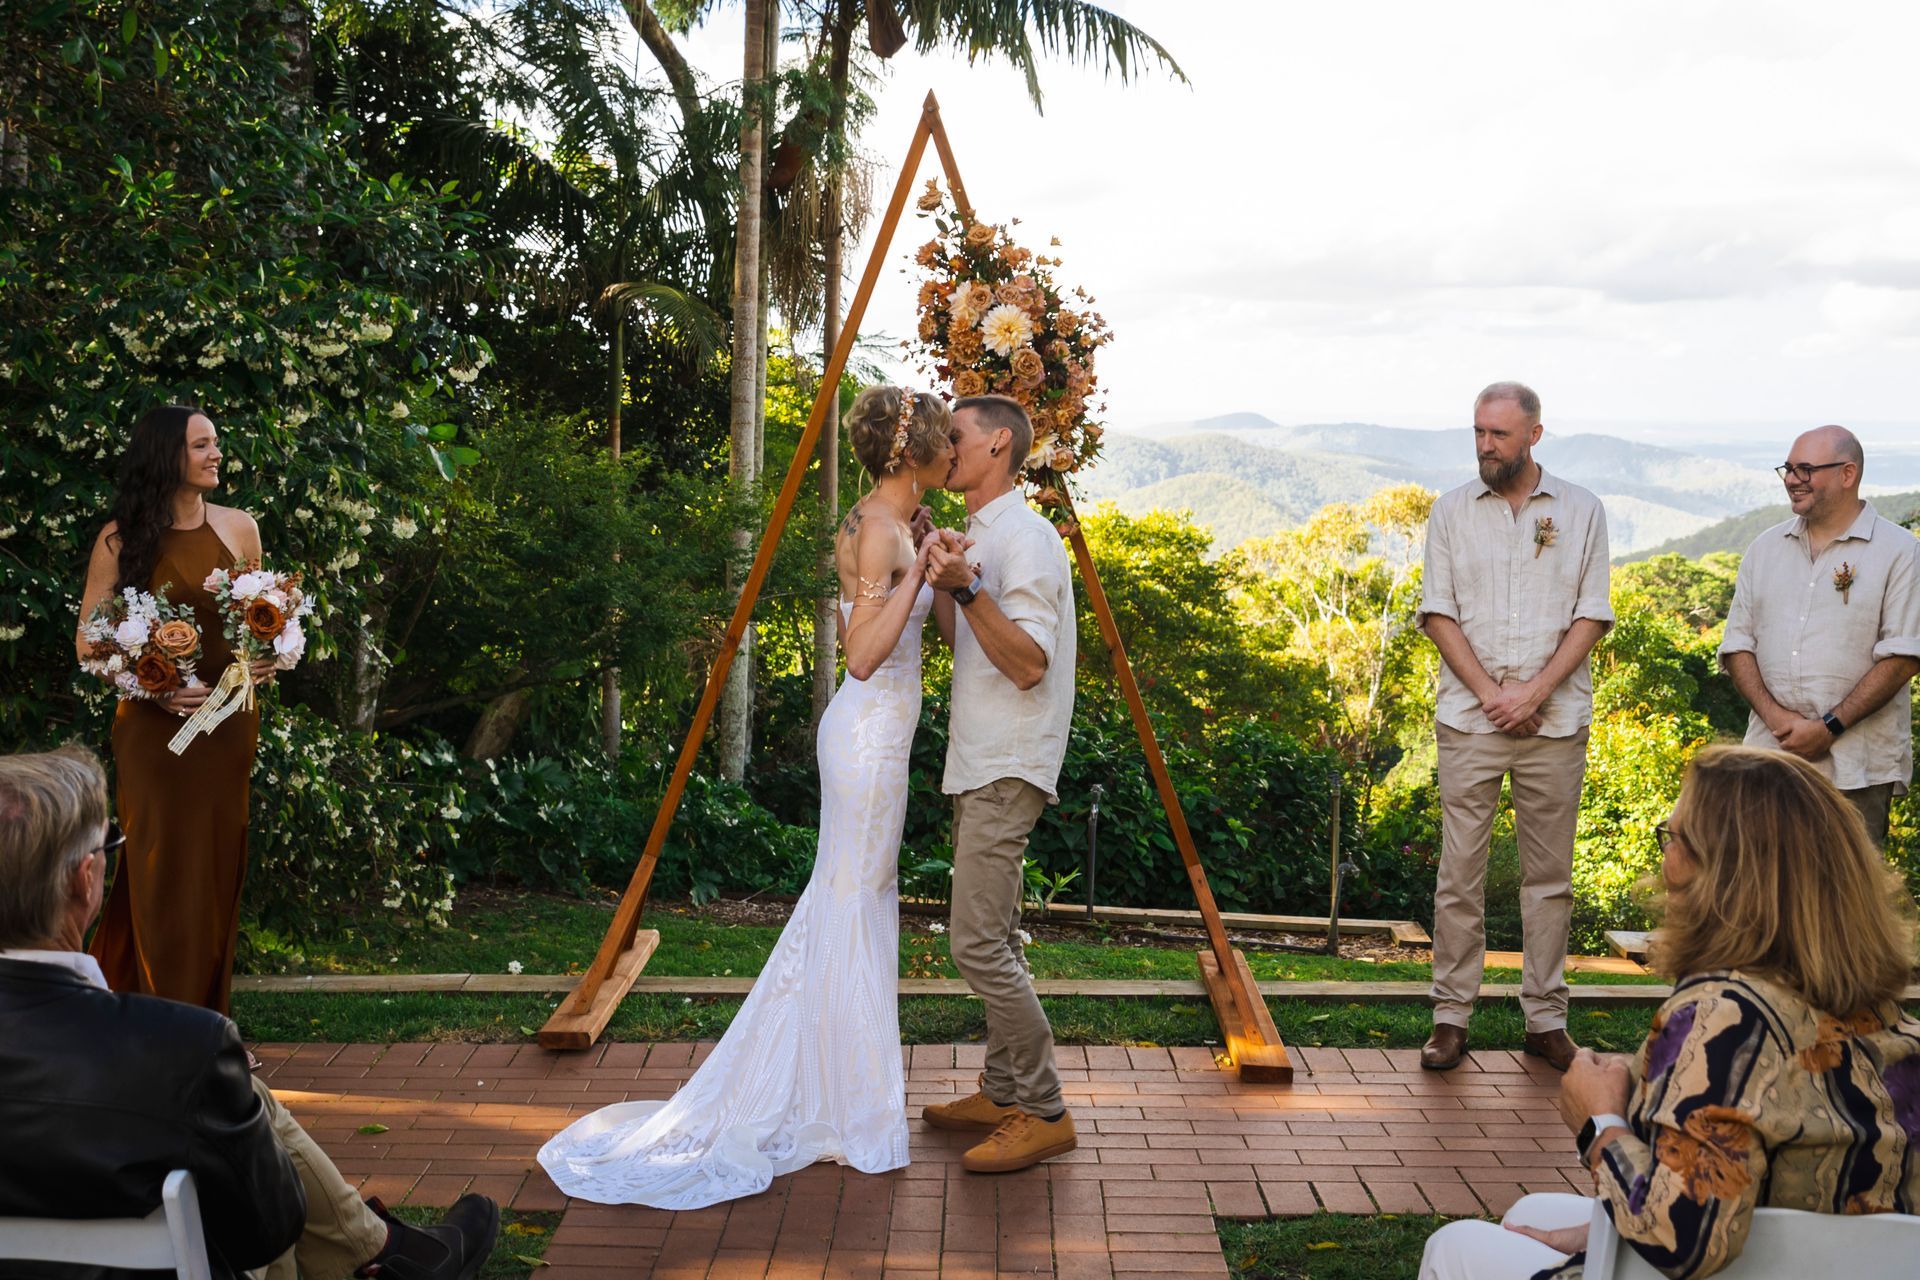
966, 595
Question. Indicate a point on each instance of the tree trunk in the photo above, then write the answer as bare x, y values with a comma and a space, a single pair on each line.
499, 721
826, 614
610, 678
736, 703
367, 670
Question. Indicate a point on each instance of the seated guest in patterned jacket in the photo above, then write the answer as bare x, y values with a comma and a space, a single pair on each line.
102, 1095
1781, 1072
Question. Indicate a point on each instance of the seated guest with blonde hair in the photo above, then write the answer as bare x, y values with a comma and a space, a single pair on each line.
102, 1095
1780, 1073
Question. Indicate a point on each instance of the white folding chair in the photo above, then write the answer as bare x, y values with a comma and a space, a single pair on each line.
1782, 1244
168, 1239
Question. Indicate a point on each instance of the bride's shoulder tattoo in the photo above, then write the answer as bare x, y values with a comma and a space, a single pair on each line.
851, 525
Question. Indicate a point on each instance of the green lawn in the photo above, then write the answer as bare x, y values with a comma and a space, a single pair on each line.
546, 933
517, 1250
1328, 1246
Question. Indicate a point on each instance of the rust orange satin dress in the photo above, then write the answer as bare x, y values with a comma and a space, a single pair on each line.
173, 914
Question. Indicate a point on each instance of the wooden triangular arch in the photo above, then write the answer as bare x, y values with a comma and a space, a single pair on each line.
1247, 1027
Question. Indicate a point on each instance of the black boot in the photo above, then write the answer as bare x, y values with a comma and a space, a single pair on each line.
453, 1250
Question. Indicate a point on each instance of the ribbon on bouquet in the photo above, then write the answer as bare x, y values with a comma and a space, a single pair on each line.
233, 692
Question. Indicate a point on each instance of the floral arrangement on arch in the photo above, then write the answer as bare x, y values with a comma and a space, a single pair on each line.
994, 320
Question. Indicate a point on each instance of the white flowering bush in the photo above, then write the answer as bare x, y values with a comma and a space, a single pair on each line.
345, 823
173, 232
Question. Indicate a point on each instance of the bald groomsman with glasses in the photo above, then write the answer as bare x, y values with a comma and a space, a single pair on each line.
1824, 633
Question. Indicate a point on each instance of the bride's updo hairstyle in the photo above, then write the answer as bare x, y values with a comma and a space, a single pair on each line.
885, 440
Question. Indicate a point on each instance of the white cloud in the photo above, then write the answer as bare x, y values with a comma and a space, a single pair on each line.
1702, 212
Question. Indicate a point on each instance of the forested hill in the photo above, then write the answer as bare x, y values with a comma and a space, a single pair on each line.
1245, 476
1738, 533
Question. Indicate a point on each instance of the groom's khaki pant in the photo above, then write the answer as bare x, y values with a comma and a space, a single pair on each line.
1546, 776
990, 829
341, 1233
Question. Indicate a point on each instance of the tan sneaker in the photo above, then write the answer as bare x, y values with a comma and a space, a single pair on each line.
1020, 1141
976, 1114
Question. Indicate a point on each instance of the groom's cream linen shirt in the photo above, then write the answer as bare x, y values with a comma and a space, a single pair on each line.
999, 730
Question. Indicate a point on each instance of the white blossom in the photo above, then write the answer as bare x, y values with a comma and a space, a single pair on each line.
515, 967
398, 409
404, 528
9, 634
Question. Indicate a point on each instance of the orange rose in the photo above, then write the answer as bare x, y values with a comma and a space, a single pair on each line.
264, 619
155, 673
963, 345
1028, 366
929, 327
969, 383
929, 253
176, 638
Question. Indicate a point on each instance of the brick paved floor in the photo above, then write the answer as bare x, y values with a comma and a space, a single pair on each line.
1167, 1142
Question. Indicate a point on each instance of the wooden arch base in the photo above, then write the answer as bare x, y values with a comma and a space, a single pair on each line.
1247, 1027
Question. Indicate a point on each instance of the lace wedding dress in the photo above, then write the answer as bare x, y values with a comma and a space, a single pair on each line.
810, 1067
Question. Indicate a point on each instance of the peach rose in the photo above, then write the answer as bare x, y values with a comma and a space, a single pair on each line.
1062, 459
929, 328
931, 199
964, 345
1028, 366
969, 383
264, 619
176, 638
929, 254
155, 673
979, 236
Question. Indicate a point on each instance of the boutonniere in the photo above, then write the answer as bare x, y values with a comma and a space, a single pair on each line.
1543, 534
1843, 580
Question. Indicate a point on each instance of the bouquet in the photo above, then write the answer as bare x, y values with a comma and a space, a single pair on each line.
142, 644
994, 319
262, 610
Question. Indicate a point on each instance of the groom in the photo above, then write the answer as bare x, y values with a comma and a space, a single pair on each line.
1010, 625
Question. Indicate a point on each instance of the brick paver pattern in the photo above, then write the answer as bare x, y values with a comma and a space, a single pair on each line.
1167, 1143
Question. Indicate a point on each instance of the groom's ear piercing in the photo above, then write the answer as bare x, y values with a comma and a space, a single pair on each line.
994, 451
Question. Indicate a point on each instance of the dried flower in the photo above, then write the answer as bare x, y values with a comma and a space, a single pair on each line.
968, 382
1843, 580
1006, 329
1544, 534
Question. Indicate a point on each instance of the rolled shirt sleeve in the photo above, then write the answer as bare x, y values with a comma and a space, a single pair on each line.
1900, 608
1436, 571
1030, 589
1737, 636
1593, 599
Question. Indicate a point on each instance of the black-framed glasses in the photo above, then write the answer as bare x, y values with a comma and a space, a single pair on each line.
1663, 834
115, 838
1803, 471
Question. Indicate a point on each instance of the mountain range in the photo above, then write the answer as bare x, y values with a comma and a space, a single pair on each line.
1245, 476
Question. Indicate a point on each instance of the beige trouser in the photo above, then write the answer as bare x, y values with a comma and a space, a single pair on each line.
341, 1233
1546, 775
990, 829
1875, 804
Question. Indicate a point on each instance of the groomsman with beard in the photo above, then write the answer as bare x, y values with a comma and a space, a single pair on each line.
1514, 597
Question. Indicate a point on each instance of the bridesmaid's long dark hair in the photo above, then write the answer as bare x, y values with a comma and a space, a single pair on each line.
149, 477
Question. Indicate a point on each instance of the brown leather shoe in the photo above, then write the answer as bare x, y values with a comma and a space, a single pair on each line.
1556, 1046
1444, 1048
1022, 1140
975, 1114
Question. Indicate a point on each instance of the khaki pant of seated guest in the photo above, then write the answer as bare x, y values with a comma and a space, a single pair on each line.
1875, 805
341, 1233
990, 829
1546, 776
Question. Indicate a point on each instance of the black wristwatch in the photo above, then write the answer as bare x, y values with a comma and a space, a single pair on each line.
1833, 724
964, 595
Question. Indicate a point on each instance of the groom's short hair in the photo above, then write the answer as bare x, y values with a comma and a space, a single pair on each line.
997, 412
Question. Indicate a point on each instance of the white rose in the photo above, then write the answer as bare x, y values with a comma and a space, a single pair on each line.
249, 585
132, 633
290, 645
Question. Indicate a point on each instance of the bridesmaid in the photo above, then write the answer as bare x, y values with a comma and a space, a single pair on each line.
173, 915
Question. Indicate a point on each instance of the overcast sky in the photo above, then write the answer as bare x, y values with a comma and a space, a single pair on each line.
1702, 215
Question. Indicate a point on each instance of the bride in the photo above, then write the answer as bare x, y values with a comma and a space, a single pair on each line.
810, 1067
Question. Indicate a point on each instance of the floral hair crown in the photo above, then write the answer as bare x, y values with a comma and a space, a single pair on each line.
900, 430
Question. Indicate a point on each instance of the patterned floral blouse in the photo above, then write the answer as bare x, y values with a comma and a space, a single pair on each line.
1746, 1095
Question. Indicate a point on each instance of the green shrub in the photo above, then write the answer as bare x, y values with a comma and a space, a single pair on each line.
344, 823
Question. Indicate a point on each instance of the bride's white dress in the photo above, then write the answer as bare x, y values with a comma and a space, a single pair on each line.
810, 1067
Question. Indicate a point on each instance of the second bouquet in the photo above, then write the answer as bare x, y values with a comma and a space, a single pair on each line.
262, 612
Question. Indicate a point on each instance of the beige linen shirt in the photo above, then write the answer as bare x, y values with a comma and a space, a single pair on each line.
1514, 598
999, 730
1813, 645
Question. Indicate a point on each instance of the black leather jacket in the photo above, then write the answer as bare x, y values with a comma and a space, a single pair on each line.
102, 1095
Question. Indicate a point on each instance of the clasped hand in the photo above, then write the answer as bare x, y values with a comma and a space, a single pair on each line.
1515, 709
1805, 737
943, 555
